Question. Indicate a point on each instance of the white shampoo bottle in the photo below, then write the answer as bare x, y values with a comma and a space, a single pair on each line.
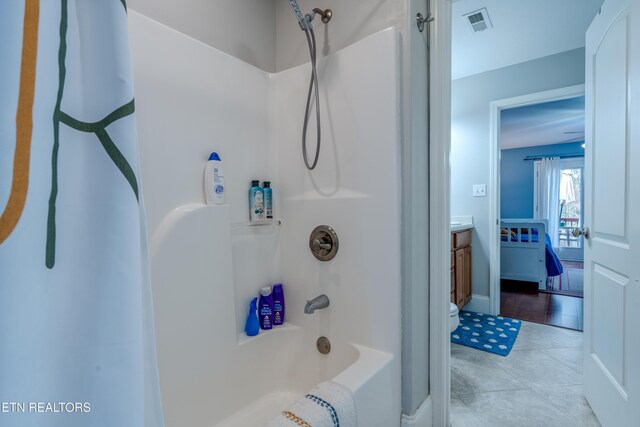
214, 181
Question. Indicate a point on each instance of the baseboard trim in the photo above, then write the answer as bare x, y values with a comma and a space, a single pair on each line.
479, 304
423, 416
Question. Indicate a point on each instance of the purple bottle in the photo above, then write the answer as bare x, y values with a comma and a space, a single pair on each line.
278, 304
265, 308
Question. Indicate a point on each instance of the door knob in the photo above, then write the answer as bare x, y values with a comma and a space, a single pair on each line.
581, 231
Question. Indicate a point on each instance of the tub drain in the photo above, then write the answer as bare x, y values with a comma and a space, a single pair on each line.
323, 345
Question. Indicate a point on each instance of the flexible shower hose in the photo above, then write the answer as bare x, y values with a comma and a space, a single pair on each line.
313, 87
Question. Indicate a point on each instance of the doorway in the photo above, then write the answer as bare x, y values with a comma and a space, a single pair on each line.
540, 178
605, 394
508, 211
475, 157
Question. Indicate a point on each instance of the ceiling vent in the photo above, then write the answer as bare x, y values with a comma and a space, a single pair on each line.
478, 20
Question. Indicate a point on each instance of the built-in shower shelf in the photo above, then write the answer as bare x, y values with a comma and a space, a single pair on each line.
277, 330
247, 225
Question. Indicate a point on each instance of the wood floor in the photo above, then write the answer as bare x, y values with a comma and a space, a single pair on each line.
521, 300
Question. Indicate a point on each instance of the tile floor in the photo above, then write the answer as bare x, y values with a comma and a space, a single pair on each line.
538, 385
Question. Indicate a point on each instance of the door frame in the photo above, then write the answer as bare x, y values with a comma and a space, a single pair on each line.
439, 212
494, 181
440, 199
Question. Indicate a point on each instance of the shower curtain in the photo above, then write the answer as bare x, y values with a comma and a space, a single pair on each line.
547, 195
76, 324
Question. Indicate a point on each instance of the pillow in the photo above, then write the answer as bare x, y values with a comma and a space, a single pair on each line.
504, 232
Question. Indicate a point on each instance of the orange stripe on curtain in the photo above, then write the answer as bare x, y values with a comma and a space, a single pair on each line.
24, 121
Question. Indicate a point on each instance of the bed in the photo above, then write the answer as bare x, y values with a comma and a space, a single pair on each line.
524, 254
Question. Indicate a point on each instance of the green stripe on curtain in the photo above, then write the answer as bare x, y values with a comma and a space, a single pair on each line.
98, 128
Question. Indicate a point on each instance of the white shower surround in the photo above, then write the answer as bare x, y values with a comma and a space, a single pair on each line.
207, 264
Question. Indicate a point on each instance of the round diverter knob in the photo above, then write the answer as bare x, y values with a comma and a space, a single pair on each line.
323, 243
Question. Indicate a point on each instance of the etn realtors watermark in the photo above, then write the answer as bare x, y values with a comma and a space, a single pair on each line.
45, 407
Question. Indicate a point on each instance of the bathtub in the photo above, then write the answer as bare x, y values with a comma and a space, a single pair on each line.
211, 375
296, 368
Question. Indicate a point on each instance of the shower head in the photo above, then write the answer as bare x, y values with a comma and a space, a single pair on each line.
305, 22
302, 20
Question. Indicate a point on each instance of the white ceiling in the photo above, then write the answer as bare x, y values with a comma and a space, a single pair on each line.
522, 30
547, 123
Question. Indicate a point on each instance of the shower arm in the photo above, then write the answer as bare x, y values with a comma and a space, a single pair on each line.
305, 20
306, 23
325, 15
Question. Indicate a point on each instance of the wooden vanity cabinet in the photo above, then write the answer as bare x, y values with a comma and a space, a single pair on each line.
461, 267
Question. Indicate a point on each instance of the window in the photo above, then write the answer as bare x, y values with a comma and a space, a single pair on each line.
571, 202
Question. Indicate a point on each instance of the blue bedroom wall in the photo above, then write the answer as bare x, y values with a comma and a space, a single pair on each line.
516, 176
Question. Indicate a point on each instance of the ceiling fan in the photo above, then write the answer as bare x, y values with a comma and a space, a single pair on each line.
577, 138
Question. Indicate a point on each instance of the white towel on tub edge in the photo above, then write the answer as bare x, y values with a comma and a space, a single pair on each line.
328, 404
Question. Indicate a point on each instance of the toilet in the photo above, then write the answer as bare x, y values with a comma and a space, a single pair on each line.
454, 319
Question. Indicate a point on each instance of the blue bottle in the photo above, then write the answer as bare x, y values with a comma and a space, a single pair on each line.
278, 304
266, 308
252, 327
268, 201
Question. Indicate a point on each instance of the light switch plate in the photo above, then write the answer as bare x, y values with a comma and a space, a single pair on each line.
480, 190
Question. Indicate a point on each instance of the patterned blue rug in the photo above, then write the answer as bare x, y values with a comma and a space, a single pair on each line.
495, 334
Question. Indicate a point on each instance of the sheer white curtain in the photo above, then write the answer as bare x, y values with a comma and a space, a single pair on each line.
76, 323
547, 195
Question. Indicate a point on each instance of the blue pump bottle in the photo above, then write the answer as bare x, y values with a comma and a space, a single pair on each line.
266, 308
252, 327
278, 305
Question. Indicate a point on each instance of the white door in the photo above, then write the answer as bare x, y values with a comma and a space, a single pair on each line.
612, 212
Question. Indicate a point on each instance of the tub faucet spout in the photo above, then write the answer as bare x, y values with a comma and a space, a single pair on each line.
317, 303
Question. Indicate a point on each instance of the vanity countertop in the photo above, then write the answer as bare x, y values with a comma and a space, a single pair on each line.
461, 223
460, 227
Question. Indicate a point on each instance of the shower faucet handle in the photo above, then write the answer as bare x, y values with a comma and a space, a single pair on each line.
317, 244
323, 243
